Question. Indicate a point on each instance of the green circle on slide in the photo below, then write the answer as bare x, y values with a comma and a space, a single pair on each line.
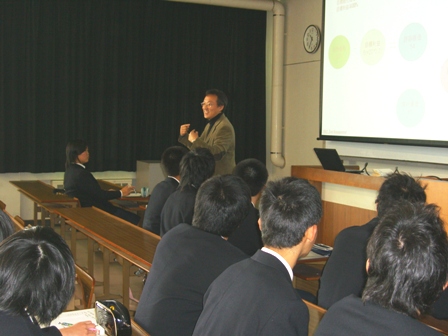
410, 108
372, 47
413, 42
339, 52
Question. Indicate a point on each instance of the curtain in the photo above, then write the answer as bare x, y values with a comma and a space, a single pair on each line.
123, 75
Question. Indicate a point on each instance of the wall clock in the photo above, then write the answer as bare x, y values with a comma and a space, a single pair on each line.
311, 39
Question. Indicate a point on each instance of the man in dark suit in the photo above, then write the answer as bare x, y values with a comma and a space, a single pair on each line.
218, 135
247, 236
188, 258
407, 269
256, 296
195, 167
80, 183
170, 164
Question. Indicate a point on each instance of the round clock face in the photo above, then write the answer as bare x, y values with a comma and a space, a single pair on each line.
311, 39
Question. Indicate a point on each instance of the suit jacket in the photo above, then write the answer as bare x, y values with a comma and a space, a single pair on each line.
80, 183
178, 208
159, 195
351, 316
186, 261
247, 237
22, 325
253, 297
345, 271
220, 141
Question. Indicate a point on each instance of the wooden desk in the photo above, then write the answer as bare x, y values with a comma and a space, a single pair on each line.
135, 245
339, 216
42, 195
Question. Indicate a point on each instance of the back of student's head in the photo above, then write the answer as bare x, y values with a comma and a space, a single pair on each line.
37, 274
73, 149
397, 187
6, 226
222, 203
288, 207
254, 173
195, 167
171, 159
408, 256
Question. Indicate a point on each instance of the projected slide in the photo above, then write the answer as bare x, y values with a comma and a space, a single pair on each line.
385, 70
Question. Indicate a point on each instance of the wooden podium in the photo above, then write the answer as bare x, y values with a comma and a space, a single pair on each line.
339, 216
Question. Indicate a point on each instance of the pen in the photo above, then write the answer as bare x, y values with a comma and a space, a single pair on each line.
66, 324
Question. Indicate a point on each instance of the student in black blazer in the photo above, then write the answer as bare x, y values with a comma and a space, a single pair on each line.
188, 258
256, 296
80, 183
247, 237
170, 162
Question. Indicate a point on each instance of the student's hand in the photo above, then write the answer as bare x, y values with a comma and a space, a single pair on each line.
184, 129
125, 191
193, 136
80, 329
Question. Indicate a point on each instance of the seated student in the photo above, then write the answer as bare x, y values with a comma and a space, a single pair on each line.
345, 272
195, 167
247, 236
256, 296
407, 270
188, 258
170, 164
37, 280
80, 183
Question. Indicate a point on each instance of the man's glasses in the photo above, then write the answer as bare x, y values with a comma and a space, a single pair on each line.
208, 104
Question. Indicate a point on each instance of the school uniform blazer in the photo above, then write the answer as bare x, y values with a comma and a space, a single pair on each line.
80, 183
159, 195
186, 262
221, 143
253, 297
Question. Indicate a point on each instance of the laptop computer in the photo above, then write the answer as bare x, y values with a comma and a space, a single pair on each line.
330, 160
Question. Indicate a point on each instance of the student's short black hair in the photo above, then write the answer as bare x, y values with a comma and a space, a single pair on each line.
254, 173
171, 159
195, 167
288, 207
222, 203
73, 149
408, 255
37, 274
397, 187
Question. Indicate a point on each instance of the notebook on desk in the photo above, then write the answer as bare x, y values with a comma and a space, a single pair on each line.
330, 160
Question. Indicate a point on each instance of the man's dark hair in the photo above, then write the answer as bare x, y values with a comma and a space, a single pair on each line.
171, 159
37, 274
195, 167
288, 207
6, 226
222, 203
254, 173
408, 255
398, 187
73, 149
222, 98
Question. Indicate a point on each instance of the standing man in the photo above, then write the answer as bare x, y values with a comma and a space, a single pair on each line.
218, 135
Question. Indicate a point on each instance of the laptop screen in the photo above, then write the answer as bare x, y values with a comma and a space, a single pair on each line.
329, 159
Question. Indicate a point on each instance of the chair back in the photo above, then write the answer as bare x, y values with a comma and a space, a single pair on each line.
19, 223
84, 289
316, 314
2, 205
